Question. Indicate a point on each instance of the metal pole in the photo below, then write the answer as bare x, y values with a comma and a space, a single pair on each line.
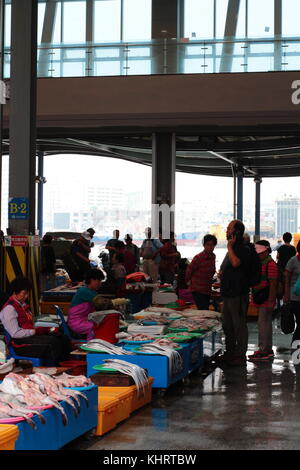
233, 169
240, 177
40, 192
257, 182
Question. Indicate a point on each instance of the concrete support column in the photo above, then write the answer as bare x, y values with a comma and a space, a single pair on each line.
240, 178
163, 182
22, 163
165, 30
257, 181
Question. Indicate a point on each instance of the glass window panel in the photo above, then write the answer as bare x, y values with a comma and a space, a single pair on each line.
260, 64
260, 18
7, 25
238, 65
290, 47
57, 25
74, 69
138, 67
107, 52
6, 70
199, 19
139, 51
198, 65
290, 17
74, 17
107, 20
261, 48
291, 63
107, 68
241, 49
193, 50
137, 18
221, 13
41, 15
241, 24
74, 53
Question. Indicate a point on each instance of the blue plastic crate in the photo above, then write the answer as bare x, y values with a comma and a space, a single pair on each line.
157, 366
53, 435
195, 354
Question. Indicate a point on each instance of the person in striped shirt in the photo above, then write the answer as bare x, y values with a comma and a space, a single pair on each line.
201, 271
269, 280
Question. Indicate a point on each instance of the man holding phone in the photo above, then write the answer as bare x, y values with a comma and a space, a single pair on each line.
234, 274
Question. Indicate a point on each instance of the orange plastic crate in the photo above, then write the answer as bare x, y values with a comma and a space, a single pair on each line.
124, 397
107, 414
9, 433
137, 401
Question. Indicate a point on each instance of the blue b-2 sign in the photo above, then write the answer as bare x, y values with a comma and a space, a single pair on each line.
18, 208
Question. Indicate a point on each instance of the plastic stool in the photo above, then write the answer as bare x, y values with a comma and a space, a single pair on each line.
36, 361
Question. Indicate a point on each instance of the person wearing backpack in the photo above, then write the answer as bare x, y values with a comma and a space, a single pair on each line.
264, 297
150, 254
235, 282
291, 289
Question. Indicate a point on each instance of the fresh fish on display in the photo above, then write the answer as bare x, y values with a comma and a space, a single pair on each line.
44, 370
107, 347
11, 413
25, 391
161, 319
14, 403
7, 366
51, 388
137, 373
175, 359
169, 311
67, 380
140, 337
166, 342
57, 387
190, 312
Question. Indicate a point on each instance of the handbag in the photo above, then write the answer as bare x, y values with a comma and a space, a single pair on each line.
287, 321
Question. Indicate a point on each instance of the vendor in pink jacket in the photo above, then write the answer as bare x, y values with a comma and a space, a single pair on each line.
82, 305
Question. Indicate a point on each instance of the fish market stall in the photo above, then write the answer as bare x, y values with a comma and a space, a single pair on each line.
168, 343
48, 411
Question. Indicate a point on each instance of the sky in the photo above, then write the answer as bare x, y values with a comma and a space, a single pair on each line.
135, 177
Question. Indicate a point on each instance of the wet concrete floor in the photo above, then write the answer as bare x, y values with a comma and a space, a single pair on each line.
254, 407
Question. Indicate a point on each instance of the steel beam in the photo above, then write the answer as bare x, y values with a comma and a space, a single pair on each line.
240, 177
22, 163
47, 38
230, 33
278, 34
257, 182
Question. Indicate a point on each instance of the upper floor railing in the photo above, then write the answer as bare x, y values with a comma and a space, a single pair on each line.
166, 57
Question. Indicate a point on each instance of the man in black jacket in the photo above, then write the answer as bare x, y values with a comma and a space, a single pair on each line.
235, 293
